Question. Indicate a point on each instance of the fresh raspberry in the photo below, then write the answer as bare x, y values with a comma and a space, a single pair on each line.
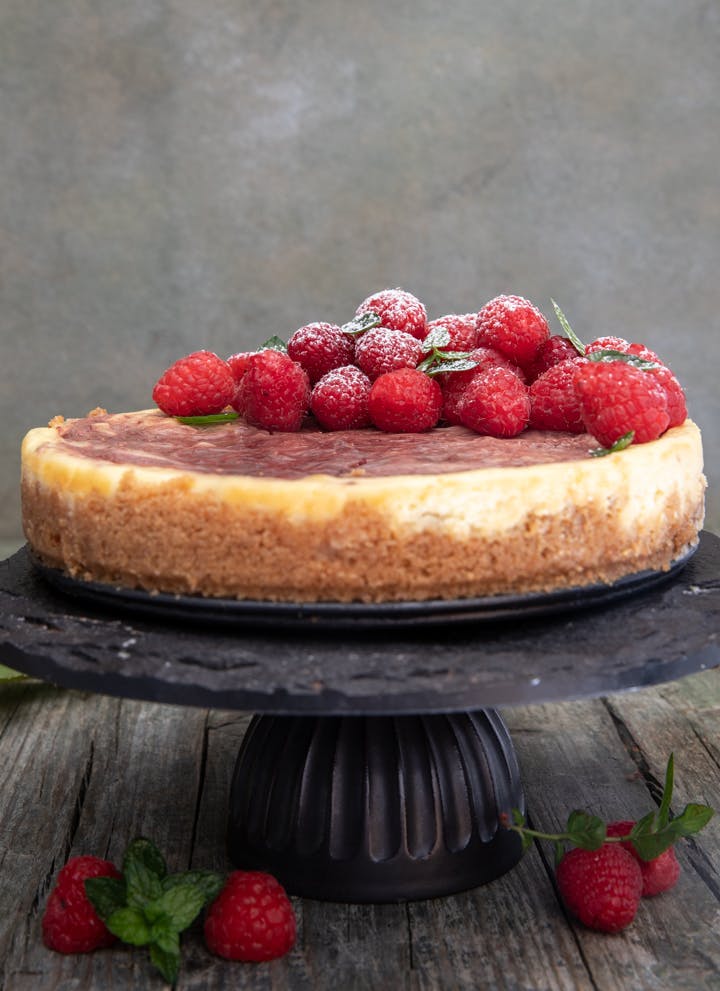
551, 352
617, 398
251, 919
239, 364
453, 384
554, 403
70, 924
381, 350
405, 401
495, 402
320, 347
676, 406
601, 887
274, 393
339, 400
659, 874
398, 310
196, 385
514, 326
462, 328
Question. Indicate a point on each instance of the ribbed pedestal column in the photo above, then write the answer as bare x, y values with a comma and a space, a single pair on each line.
375, 808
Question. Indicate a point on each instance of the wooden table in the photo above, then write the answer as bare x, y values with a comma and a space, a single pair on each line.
85, 773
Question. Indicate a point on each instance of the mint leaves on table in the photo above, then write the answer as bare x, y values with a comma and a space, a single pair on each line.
650, 836
149, 907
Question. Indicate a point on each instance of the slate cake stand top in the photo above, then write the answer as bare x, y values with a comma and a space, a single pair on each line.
657, 633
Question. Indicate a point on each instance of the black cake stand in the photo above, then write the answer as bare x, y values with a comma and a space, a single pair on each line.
378, 768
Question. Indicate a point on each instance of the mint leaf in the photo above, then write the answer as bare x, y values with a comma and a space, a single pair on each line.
143, 870
209, 882
439, 337
129, 925
692, 819
608, 354
144, 851
208, 419
585, 830
178, 906
664, 810
106, 894
361, 323
620, 444
570, 333
452, 365
167, 962
274, 343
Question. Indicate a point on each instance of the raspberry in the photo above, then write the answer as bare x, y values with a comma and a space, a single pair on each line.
196, 385
381, 350
453, 384
514, 326
676, 406
601, 887
70, 924
551, 352
274, 393
617, 398
659, 874
462, 329
495, 402
339, 400
405, 401
554, 404
320, 347
239, 364
398, 310
251, 919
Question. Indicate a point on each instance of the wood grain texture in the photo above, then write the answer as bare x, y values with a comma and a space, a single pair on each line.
86, 773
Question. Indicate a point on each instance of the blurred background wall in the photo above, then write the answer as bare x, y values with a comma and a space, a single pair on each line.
179, 175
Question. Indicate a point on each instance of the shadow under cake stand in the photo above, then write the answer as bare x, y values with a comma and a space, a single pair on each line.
377, 767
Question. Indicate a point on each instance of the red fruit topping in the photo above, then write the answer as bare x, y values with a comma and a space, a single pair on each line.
405, 401
398, 310
659, 874
462, 329
601, 887
514, 326
239, 363
339, 400
554, 403
320, 347
551, 352
196, 385
495, 402
453, 384
70, 924
274, 393
676, 406
380, 350
252, 919
617, 398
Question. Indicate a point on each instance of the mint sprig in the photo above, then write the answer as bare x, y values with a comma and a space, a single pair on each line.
361, 323
438, 359
650, 836
619, 445
207, 419
569, 332
610, 354
149, 907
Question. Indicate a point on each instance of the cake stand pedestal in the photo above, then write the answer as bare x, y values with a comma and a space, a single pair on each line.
378, 768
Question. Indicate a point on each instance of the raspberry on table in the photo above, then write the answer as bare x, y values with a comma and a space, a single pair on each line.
514, 326
462, 328
398, 310
70, 924
199, 384
495, 403
381, 350
659, 874
602, 887
405, 401
252, 919
339, 401
320, 347
274, 393
554, 404
453, 384
617, 398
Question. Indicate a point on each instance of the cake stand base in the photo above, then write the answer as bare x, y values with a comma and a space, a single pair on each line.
376, 808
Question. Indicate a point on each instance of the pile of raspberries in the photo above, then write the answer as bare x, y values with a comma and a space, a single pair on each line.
497, 372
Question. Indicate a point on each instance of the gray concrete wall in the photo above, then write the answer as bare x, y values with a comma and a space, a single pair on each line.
179, 175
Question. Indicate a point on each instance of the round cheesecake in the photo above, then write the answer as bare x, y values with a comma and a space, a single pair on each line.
144, 501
